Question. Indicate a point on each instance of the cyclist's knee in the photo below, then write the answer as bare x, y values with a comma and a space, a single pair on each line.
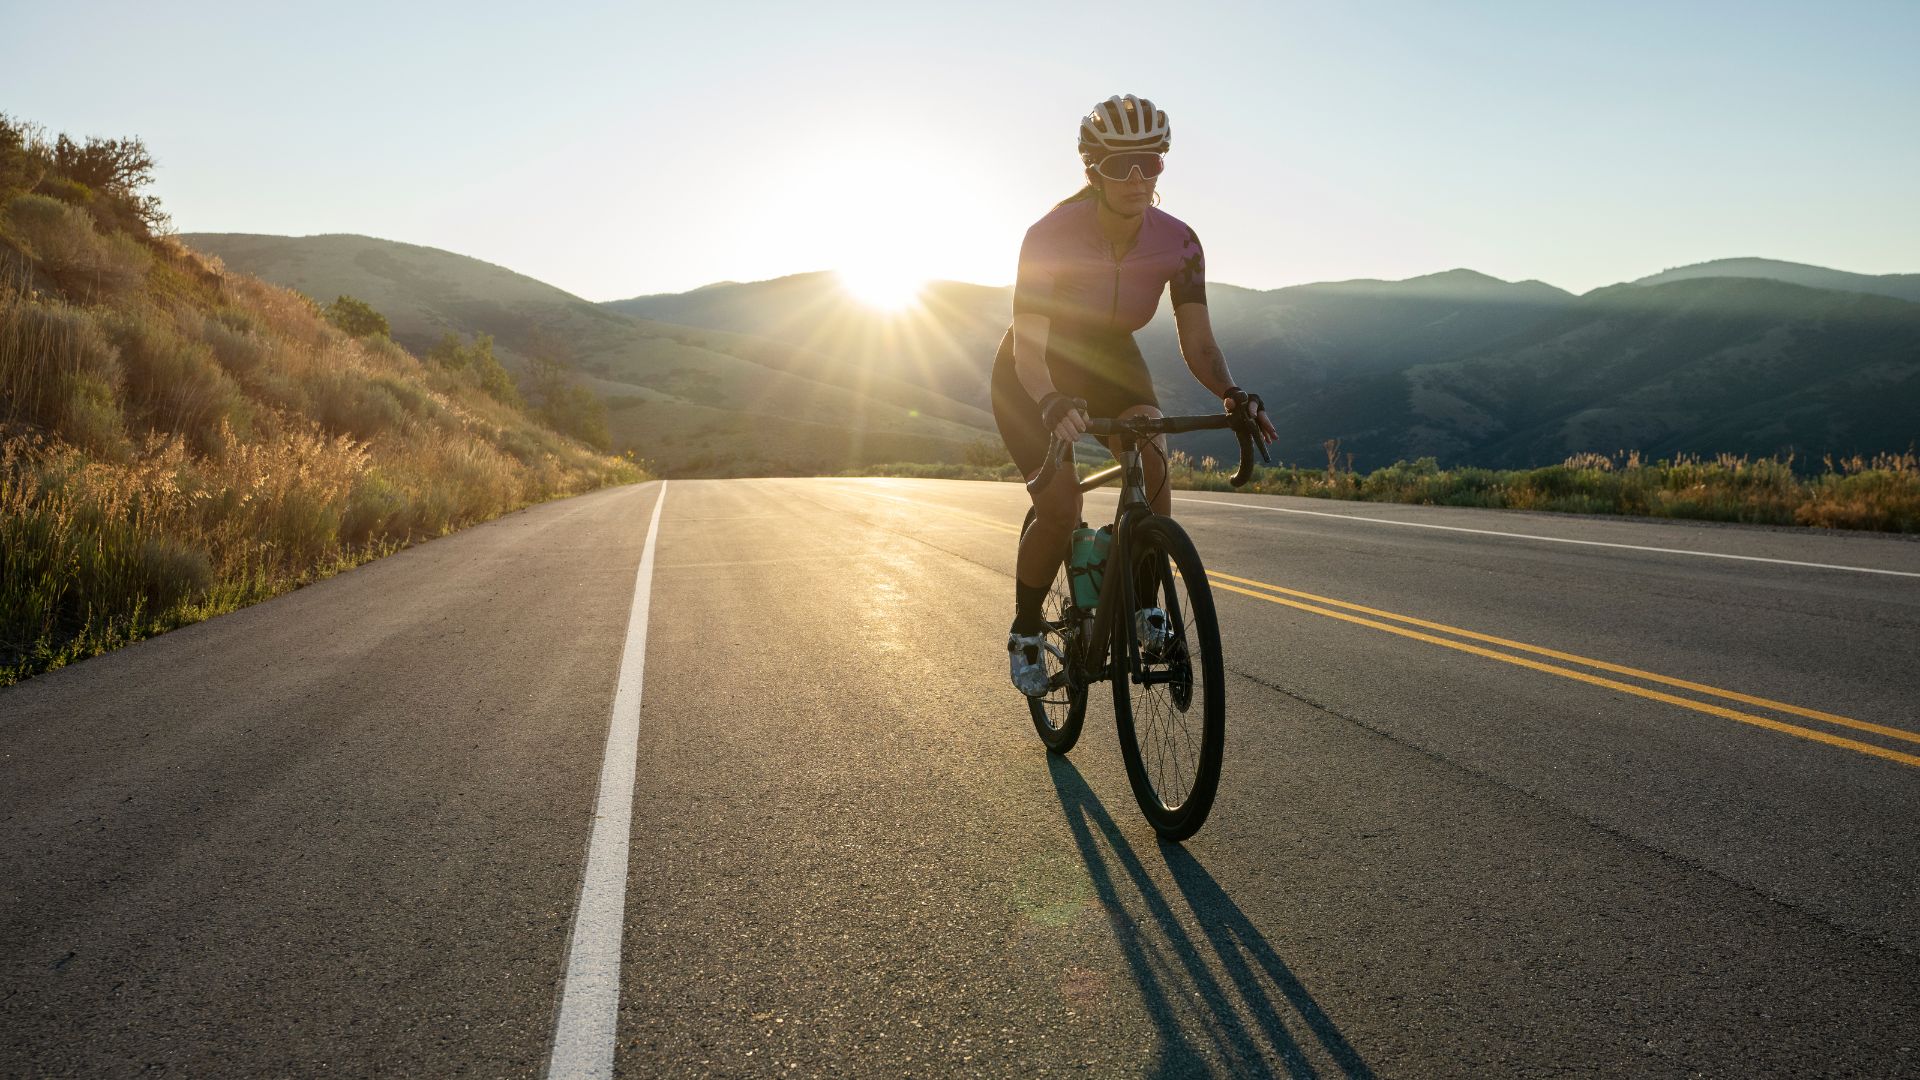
1058, 507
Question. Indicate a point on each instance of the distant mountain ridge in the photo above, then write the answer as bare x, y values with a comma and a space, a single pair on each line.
1898, 286
1747, 356
1697, 366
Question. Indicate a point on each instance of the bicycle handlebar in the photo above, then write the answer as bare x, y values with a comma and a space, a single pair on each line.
1145, 427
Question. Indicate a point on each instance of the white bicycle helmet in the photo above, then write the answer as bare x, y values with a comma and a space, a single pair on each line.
1120, 124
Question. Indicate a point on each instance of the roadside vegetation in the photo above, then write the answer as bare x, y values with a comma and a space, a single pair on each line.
1880, 494
177, 441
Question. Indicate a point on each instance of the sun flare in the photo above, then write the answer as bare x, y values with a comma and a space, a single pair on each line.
885, 288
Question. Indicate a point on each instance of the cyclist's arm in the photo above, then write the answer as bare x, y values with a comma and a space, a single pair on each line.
1030, 354
1032, 321
1204, 358
1188, 288
1199, 349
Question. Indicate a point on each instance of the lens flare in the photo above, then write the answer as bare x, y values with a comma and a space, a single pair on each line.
881, 287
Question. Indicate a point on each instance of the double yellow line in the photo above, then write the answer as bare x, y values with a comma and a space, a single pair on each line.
1294, 598
1372, 618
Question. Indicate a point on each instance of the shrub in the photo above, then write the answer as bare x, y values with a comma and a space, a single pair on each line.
172, 571
71, 192
174, 384
58, 372
349, 403
119, 169
63, 241
239, 351
566, 406
371, 507
478, 360
356, 318
987, 453
22, 165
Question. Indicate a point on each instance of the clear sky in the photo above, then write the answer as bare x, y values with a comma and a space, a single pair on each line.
631, 148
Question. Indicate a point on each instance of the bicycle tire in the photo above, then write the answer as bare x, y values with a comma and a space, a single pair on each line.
1059, 716
1173, 755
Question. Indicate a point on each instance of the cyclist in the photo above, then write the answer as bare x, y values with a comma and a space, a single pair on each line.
1091, 273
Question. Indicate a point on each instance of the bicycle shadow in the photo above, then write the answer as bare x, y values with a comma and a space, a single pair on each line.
1163, 954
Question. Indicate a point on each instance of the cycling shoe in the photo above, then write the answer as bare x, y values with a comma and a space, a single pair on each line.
1026, 659
1153, 630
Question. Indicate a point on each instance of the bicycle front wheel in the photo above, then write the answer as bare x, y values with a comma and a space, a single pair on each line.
1169, 681
1058, 716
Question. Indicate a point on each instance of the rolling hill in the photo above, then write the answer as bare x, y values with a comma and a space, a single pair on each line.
1303, 336
688, 399
793, 375
1898, 286
1746, 356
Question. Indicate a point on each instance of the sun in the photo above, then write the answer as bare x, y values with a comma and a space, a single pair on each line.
886, 288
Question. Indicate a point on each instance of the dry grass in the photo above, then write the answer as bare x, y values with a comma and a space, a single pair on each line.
1878, 494
1882, 493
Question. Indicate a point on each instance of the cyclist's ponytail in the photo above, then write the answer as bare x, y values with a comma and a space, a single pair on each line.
1090, 192
1084, 193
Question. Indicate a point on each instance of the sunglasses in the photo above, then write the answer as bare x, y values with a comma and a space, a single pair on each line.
1122, 166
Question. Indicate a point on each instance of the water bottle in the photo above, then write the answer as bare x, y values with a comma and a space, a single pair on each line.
1086, 564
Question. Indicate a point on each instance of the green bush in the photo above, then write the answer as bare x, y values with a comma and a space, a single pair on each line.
63, 241
119, 170
566, 406
60, 373
172, 571
356, 318
21, 165
241, 352
348, 403
71, 192
371, 509
477, 362
174, 384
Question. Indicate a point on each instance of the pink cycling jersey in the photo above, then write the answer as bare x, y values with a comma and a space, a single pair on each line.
1068, 272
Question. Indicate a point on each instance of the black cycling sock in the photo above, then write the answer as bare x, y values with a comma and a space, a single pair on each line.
1027, 599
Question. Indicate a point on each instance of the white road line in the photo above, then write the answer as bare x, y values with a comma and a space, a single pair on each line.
590, 992
1550, 539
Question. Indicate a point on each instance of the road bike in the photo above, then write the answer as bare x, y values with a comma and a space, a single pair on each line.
1169, 688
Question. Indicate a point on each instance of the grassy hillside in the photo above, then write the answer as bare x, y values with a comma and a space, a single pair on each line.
699, 385
177, 440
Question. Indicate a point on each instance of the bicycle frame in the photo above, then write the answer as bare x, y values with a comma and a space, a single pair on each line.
1115, 588
1097, 661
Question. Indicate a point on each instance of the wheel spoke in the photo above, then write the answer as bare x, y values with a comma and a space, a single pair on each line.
1057, 716
1172, 722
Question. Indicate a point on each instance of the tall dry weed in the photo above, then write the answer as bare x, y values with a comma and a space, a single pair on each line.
58, 371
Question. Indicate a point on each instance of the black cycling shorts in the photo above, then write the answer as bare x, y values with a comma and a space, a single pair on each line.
1105, 368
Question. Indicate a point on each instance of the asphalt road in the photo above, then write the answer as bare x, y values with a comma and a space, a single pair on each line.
1658, 818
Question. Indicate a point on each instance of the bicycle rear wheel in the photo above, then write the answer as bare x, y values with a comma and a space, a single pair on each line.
1170, 701
1059, 716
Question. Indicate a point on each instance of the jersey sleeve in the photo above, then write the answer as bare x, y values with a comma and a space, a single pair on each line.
1189, 283
1033, 286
